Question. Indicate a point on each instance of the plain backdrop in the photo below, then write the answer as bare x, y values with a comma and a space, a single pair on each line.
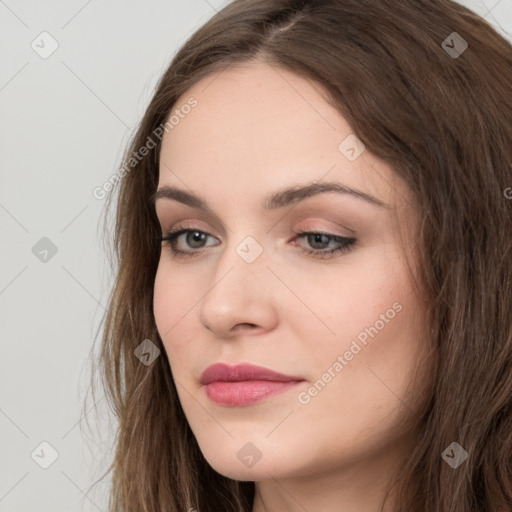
75, 78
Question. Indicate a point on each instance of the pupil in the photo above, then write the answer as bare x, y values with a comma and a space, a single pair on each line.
317, 238
196, 236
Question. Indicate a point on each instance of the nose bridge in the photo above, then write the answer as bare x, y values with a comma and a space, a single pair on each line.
237, 293
243, 248
241, 263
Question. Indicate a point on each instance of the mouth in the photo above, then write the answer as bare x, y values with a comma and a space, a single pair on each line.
244, 384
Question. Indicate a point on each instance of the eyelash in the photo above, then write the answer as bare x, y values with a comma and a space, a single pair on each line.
347, 243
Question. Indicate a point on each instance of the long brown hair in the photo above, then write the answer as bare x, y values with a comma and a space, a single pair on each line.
440, 114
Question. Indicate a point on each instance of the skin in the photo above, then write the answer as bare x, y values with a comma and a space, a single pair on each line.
257, 129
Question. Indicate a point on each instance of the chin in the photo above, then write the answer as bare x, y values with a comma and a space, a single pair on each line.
236, 470
244, 461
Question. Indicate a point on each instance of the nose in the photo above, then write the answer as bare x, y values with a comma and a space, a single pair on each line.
240, 298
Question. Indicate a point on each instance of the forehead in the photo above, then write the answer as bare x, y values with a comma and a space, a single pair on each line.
248, 110
256, 124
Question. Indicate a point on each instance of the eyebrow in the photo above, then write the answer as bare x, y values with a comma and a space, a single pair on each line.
279, 199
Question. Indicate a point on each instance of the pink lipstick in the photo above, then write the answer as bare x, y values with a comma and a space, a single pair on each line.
244, 384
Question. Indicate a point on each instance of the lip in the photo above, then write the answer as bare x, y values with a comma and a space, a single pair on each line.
244, 384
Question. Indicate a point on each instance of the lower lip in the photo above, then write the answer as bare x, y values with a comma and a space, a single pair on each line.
245, 392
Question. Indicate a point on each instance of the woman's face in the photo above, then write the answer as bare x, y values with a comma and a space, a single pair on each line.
346, 328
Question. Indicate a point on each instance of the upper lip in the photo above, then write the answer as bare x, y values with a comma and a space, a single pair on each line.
241, 372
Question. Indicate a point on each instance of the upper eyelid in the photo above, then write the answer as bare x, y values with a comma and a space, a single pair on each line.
313, 212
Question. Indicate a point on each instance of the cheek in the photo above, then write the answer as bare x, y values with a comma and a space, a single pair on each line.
360, 396
171, 306
353, 298
163, 305
174, 294
375, 321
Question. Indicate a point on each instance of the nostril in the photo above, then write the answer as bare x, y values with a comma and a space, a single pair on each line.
245, 324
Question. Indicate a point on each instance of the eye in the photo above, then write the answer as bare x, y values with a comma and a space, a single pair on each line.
195, 238
343, 244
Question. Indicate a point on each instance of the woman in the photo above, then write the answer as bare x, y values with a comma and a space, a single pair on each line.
312, 306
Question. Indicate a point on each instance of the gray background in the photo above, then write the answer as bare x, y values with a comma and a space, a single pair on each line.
64, 122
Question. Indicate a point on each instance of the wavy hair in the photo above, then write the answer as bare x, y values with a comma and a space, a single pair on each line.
443, 120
